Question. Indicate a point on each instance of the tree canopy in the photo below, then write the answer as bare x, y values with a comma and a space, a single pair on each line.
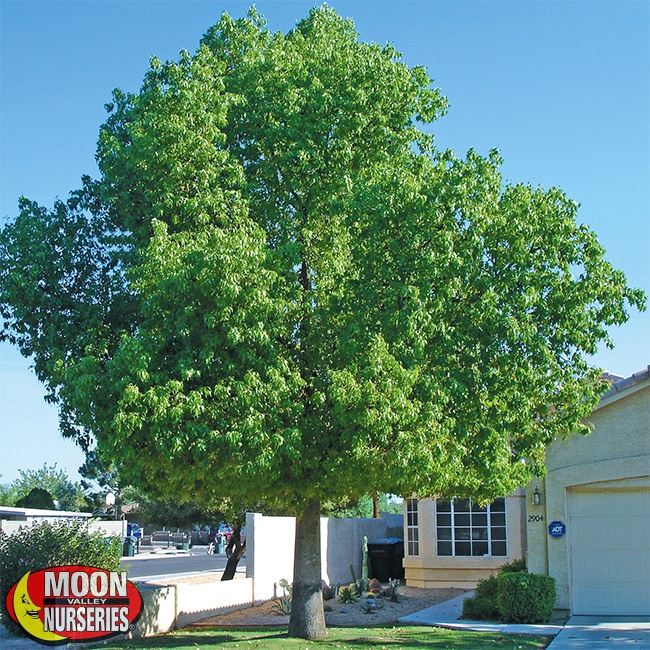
278, 279
42, 488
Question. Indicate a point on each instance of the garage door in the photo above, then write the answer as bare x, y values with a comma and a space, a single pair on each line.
609, 537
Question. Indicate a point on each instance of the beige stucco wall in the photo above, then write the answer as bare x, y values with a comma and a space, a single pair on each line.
428, 570
615, 455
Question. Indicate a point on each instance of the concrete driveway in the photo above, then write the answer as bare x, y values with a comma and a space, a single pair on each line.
596, 632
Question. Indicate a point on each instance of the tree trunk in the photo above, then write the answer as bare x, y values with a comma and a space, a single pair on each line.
375, 506
307, 614
235, 551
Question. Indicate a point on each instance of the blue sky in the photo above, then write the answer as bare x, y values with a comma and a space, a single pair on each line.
561, 88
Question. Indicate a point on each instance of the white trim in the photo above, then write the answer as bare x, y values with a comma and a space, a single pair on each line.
38, 512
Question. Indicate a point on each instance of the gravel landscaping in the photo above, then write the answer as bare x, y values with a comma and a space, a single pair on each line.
412, 599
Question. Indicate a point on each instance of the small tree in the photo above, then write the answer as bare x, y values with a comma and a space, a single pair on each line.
8, 494
63, 492
37, 498
279, 290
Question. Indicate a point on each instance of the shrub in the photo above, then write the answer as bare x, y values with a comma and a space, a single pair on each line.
516, 566
482, 606
479, 608
47, 544
525, 597
328, 592
486, 588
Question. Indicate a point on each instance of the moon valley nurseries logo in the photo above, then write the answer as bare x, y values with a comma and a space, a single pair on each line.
74, 603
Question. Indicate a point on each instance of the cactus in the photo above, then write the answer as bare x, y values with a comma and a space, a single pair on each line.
364, 564
282, 605
347, 594
390, 592
286, 586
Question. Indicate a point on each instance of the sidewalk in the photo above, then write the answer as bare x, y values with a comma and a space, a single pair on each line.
579, 633
447, 615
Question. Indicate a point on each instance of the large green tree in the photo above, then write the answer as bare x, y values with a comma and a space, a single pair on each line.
279, 290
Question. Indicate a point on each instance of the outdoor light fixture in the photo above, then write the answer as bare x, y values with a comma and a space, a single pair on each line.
537, 497
110, 501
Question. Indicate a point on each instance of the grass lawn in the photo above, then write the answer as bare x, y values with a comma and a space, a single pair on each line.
341, 638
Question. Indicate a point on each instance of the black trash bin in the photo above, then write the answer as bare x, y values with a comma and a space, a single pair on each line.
129, 547
386, 557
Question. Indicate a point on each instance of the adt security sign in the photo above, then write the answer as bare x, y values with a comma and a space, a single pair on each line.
556, 529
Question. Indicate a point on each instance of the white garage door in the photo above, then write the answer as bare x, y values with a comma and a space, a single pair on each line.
609, 536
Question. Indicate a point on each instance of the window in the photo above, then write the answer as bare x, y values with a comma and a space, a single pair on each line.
465, 529
412, 528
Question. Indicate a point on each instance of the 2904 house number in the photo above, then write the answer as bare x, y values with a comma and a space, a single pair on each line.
535, 518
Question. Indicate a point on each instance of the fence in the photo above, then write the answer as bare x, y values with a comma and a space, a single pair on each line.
270, 548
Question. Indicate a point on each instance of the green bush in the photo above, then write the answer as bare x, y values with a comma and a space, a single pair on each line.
516, 566
486, 588
482, 606
525, 597
47, 544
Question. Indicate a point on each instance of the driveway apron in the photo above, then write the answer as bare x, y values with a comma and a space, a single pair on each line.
596, 632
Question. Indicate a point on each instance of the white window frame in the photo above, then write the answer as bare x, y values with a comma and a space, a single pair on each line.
412, 527
454, 526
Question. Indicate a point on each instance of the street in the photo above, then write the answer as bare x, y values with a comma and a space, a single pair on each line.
174, 564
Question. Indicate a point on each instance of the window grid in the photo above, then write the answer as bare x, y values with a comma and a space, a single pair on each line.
466, 529
412, 528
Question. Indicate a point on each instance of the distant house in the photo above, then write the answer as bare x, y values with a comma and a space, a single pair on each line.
13, 518
587, 523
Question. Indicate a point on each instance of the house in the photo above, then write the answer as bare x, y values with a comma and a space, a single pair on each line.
598, 488
587, 523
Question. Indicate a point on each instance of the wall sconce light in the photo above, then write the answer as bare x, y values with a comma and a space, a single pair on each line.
537, 497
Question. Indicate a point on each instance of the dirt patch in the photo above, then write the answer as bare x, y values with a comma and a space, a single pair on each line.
412, 599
